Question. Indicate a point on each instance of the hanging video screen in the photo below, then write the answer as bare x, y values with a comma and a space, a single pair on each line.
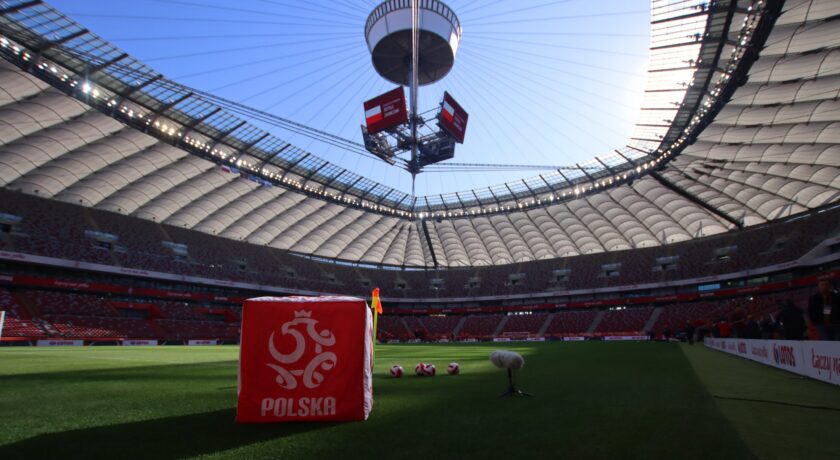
453, 118
386, 111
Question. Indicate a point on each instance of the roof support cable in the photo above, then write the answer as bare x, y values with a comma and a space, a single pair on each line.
429, 242
690, 197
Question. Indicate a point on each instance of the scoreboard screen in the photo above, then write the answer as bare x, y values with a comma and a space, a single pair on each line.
453, 118
386, 111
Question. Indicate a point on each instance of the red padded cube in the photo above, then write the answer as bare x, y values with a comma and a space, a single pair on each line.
305, 359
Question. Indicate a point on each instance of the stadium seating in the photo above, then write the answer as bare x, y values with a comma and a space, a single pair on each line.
440, 327
54, 229
34, 313
76, 326
178, 311
76, 315
16, 327
571, 323
18, 323
415, 327
50, 302
392, 328
675, 317
480, 326
185, 330
524, 324
631, 320
140, 244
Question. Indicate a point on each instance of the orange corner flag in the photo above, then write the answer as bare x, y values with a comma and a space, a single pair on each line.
375, 303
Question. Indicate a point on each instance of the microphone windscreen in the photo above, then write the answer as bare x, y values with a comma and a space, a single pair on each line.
506, 359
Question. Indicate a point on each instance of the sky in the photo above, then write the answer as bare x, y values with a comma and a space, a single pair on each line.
544, 82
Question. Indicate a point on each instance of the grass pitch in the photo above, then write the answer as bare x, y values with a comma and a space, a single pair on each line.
593, 400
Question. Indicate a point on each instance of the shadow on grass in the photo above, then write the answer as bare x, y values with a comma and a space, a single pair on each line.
183, 392
185, 371
167, 438
638, 393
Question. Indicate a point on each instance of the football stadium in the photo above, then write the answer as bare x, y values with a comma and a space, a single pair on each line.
412, 229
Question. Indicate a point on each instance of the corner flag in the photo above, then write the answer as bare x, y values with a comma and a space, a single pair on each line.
375, 303
376, 306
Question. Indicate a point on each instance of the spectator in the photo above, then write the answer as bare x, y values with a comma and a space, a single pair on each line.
702, 330
792, 321
824, 311
724, 329
768, 327
689, 332
752, 329
738, 323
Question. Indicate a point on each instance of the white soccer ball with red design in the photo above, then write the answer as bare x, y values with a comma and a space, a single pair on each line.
424, 370
453, 369
396, 371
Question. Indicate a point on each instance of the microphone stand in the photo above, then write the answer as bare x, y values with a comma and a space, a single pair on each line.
511, 390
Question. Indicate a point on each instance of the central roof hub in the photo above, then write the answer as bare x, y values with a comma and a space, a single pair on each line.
388, 35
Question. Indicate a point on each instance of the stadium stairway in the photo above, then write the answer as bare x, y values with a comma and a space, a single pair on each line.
423, 326
545, 325
459, 326
654, 317
407, 329
596, 321
28, 309
501, 326
35, 315
159, 330
48, 328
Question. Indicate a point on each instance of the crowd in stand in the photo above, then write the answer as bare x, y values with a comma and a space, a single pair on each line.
792, 315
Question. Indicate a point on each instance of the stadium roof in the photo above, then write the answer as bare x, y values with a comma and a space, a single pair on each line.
744, 143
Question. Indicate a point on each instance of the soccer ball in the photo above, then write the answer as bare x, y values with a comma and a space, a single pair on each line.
424, 370
453, 369
396, 371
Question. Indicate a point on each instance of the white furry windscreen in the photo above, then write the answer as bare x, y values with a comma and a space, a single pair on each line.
507, 359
